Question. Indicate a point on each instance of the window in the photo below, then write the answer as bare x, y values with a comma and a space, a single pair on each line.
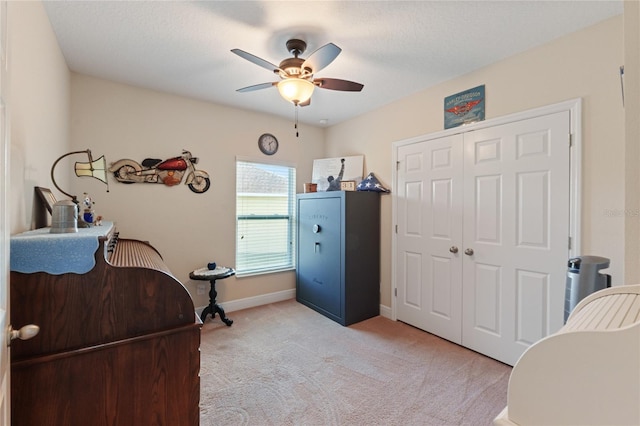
265, 217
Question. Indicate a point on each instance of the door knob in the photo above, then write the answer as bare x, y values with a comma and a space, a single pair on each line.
25, 333
469, 252
453, 249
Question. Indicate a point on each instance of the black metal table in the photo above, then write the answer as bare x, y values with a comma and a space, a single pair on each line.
211, 275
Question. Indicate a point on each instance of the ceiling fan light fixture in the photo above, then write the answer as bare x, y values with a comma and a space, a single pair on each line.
296, 90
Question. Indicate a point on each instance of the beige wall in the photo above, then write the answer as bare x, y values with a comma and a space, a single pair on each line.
38, 106
189, 229
583, 64
632, 139
53, 111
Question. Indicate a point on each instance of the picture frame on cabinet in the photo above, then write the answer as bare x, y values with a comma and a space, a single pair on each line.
328, 173
43, 202
348, 185
46, 197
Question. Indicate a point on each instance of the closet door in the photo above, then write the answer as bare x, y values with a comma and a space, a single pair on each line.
516, 228
429, 236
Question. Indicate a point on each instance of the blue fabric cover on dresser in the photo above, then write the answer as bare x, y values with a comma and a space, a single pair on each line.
41, 251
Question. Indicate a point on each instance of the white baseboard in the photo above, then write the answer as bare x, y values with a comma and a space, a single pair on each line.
265, 299
252, 302
385, 311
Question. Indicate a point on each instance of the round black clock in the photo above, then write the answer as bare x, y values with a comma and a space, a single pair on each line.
268, 144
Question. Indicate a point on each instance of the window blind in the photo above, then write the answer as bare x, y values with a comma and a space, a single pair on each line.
265, 217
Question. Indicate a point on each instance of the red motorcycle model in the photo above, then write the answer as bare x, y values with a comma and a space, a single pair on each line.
168, 172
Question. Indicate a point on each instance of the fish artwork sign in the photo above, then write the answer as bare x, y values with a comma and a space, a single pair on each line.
464, 107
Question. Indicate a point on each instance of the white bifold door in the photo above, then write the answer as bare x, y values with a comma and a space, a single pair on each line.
483, 234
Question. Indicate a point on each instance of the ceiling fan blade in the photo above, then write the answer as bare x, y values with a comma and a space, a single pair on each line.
256, 87
258, 61
337, 84
322, 57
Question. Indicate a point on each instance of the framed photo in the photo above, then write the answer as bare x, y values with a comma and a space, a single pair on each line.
348, 185
328, 173
464, 107
46, 198
43, 201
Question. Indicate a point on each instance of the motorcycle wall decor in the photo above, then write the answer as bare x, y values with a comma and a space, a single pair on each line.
168, 172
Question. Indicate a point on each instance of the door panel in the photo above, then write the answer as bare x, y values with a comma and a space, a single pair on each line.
487, 305
501, 196
412, 267
413, 214
488, 212
319, 265
430, 207
441, 292
532, 205
517, 223
410, 232
532, 292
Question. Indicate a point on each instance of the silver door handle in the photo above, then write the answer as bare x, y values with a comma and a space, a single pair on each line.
469, 252
453, 249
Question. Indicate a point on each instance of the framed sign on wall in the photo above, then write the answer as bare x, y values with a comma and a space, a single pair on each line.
464, 107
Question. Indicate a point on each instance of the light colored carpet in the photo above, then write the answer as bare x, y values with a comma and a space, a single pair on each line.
285, 364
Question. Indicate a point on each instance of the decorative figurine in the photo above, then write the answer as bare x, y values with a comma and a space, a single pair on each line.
88, 214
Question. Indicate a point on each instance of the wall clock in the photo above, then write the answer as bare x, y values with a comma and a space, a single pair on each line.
268, 144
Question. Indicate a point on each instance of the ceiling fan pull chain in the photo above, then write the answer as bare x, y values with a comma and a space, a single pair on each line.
295, 126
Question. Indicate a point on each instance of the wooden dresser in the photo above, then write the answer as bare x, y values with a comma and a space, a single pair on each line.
119, 339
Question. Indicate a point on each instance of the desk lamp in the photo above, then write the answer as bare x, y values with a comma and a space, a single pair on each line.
65, 214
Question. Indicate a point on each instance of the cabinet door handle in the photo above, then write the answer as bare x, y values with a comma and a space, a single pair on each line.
469, 252
25, 333
453, 249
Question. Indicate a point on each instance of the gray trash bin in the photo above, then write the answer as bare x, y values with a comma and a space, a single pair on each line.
584, 278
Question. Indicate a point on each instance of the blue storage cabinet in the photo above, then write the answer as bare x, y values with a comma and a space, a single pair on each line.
338, 254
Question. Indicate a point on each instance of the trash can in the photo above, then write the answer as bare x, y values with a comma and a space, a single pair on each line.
584, 278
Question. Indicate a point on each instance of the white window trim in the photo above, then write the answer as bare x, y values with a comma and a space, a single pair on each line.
275, 162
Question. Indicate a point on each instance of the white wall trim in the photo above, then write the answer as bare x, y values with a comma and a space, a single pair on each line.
574, 106
265, 299
386, 312
252, 302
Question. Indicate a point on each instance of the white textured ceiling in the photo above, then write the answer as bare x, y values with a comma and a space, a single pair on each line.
394, 48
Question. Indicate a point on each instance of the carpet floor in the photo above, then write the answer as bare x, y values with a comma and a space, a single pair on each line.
285, 364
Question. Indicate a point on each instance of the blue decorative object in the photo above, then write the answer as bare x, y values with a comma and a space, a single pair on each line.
211, 266
88, 214
372, 184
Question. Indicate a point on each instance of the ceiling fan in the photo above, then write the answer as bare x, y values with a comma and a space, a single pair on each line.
297, 80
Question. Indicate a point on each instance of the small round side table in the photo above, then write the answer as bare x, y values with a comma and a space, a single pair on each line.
211, 275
